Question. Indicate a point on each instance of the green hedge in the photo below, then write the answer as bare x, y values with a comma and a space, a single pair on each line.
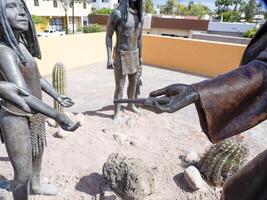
250, 33
102, 11
94, 28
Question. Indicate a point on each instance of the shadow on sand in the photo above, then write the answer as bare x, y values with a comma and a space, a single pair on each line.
4, 159
5, 184
181, 182
99, 114
90, 184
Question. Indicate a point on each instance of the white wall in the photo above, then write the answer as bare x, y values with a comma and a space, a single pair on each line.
230, 27
107, 4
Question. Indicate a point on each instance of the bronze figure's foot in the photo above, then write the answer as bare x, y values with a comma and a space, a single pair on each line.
133, 108
45, 189
116, 119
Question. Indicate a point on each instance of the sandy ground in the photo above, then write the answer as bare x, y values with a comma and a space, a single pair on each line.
74, 164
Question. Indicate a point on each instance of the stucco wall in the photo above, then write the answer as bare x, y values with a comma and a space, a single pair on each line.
194, 56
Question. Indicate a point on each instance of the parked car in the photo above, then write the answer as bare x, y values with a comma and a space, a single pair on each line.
50, 32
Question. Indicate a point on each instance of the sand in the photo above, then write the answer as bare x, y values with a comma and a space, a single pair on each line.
74, 163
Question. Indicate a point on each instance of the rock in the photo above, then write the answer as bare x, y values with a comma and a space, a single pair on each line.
80, 118
129, 177
50, 122
192, 158
194, 179
109, 194
5, 195
97, 197
130, 122
121, 138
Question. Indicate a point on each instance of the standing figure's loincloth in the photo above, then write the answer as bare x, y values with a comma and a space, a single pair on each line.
128, 61
37, 132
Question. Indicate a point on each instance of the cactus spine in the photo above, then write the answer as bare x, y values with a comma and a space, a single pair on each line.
59, 83
221, 161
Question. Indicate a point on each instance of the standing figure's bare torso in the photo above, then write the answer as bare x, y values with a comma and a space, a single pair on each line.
128, 33
26, 75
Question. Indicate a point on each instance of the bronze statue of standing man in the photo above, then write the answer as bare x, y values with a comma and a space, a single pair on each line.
126, 21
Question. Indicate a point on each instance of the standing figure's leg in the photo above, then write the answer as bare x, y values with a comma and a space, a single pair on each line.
119, 84
17, 140
139, 82
131, 91
36, 186
37, 131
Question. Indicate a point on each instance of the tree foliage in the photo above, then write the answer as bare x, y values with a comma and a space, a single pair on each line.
169, 8
251, 9
232, 16
230, 10
148, 6
195, 9
223, 5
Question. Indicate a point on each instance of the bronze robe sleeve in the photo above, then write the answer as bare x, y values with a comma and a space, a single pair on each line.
234, 102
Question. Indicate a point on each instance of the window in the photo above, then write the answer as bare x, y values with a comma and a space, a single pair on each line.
105, 1
84, 5
36, 2
56, 23
55, 4
71, 4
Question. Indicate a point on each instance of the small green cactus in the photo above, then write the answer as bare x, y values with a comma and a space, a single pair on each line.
221, 161
59, 83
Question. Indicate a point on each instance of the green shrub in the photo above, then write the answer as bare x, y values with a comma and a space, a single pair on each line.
102, 11
40, 20
250, 33
94, 28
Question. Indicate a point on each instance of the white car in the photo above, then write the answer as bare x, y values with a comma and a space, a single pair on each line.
50, 32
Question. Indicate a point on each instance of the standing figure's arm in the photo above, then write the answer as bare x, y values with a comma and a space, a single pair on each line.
51, 91
111, 27
10, 70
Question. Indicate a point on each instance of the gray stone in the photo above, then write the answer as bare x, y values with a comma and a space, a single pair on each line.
129, 177
192, 158
194, 179
80, 118
108, 193
121, 139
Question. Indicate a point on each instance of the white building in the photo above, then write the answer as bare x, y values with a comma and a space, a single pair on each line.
98, 4
229, 28
53, 10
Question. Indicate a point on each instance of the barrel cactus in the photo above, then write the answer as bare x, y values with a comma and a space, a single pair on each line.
221, 161
59, 83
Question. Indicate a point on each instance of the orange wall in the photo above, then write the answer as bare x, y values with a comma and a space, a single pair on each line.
194, 56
